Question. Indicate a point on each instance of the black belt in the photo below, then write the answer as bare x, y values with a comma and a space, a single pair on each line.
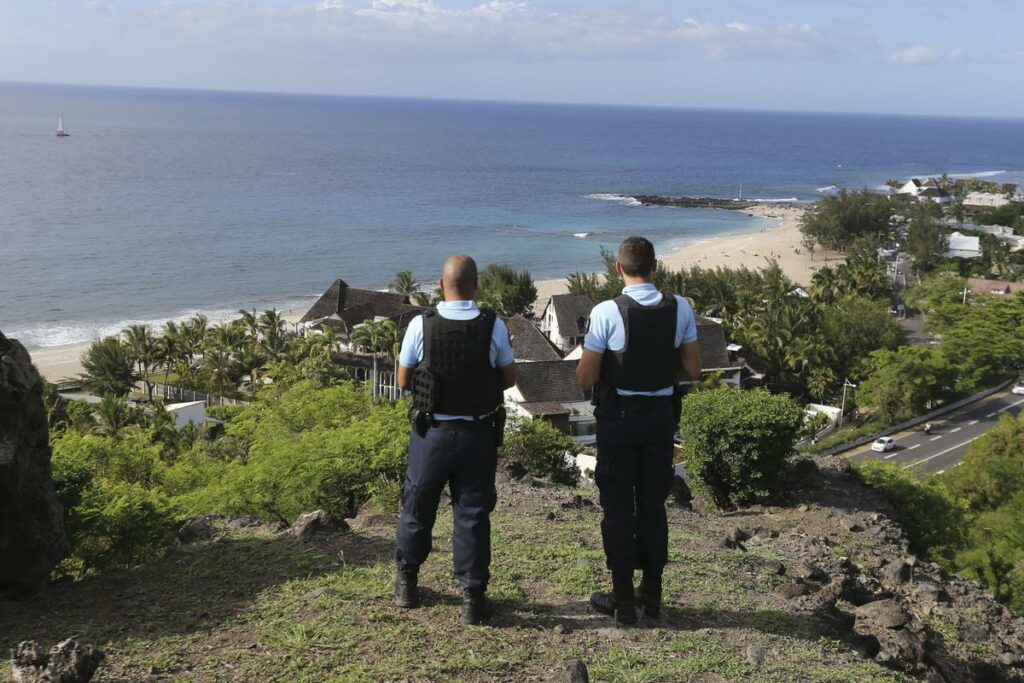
462, 424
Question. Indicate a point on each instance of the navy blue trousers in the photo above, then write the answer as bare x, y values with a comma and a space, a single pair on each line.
634, 476
464, 458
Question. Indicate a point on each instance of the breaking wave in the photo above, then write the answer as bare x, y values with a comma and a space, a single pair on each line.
611, 197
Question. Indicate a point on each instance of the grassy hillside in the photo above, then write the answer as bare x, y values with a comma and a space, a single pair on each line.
254, 605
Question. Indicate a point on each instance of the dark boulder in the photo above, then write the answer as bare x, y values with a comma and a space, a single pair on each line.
32, 539
316, 522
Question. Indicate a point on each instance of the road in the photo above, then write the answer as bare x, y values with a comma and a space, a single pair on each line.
950, 438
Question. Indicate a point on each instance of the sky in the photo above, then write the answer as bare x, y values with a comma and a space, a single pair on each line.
943, 57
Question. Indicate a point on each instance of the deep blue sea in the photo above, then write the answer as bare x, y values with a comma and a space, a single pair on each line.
165, 203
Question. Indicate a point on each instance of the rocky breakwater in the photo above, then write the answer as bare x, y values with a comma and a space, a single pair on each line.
32, 539
694, 202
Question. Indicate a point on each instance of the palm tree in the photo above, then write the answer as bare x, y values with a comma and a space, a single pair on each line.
170, 351
250, 359
219, 366
251, 321
226, 337
142, 345
192, 334
406, 285
825, 285
375, 337
819, 381
111, 415
272, 320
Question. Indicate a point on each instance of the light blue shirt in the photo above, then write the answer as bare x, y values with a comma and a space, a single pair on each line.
608, 333
412, 345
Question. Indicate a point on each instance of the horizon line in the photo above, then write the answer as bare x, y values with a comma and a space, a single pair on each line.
554, 103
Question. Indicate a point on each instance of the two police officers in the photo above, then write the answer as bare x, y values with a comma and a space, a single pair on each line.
457, 360
639, 346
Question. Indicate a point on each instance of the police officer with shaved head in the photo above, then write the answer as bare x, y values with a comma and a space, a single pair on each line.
457, 360
639, 346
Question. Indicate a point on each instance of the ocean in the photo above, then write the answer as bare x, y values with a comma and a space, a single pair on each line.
164, 203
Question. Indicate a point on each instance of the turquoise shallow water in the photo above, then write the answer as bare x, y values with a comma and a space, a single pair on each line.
163, 203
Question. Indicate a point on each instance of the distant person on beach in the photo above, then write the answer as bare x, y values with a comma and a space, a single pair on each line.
637, 349
457, 360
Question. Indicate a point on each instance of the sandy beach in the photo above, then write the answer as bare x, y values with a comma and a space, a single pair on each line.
746, 249
750, 249
64, 362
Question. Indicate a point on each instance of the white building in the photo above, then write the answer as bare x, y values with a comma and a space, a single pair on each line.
985, 200
184, 413
565, 320
963, 246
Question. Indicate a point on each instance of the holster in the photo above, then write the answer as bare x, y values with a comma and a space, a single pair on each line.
605, 398
500, 416
420, 421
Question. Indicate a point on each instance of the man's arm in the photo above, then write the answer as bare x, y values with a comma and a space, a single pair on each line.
404, 377
588, 371
508, 376
689, 361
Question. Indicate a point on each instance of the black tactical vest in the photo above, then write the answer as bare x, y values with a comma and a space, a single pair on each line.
649, 360
457, 356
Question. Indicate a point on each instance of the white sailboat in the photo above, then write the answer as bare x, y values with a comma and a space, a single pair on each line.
61, 133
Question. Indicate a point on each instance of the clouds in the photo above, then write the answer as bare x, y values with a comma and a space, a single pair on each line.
737, 40
921, 55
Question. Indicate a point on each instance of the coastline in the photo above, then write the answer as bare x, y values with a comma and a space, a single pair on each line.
749, 249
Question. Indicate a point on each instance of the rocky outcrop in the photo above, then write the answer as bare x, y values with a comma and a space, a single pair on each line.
67, 662
316, 522
32, 539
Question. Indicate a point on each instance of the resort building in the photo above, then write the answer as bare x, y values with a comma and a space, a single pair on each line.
716, 354
528, 342
997, 287
985, 200
549, 390
343, 308
565, 318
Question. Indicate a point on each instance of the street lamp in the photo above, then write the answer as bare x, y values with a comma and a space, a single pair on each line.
842, 409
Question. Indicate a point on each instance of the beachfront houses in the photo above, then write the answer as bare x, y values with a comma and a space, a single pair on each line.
564, 320
979, 201
925, 190
342, 308
549, 390
979, 285
718, 356
529, 344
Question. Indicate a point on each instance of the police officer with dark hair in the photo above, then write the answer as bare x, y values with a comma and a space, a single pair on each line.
457, 360
639, 346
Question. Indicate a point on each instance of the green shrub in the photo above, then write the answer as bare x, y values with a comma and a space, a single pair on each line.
114, 514
307, 448
542, 450
223, 413
736, 443
842, 437
934, 519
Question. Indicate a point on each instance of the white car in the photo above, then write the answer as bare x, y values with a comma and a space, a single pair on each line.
1018, 388
883, 444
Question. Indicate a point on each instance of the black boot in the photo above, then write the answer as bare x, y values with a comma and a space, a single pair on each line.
648, 594
620, 603
476, 607
406, 594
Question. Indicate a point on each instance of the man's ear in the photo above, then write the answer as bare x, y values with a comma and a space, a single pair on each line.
654, 267
618, 268
440, 283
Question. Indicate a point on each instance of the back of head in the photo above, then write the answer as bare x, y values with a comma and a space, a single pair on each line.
460, 276
636, 256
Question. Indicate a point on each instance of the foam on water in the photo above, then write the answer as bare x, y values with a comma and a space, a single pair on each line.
612, 197
69, 334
